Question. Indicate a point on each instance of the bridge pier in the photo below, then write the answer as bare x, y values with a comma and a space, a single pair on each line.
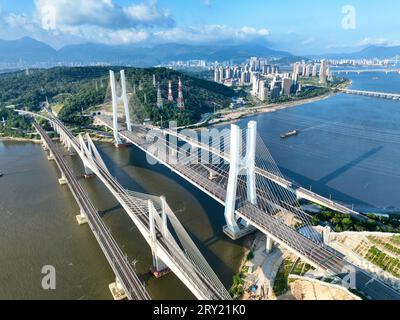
72, 151
326, 235
44, 145
88, 174
63, 181
81, 218
50, 157
117, 290
269, 247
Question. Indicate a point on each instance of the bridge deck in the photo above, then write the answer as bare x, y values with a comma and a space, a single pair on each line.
317, 254
131, 283
198, 280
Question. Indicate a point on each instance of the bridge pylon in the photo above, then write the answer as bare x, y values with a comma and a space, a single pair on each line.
115, 101
240, 166
159, 268
86, 151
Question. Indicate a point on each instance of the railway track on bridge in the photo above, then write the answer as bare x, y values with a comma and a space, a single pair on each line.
199, 280
130, 281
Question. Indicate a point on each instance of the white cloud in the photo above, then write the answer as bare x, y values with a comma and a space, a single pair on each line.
378, 41
102, 13
209, 33
61, 22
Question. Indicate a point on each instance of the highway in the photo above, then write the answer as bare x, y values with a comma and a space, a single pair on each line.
134, 288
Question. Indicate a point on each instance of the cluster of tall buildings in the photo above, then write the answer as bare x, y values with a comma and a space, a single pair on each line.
306, 70
272, 86
266, 80
242, 74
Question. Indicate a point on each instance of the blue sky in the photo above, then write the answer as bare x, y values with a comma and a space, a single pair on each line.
302, 27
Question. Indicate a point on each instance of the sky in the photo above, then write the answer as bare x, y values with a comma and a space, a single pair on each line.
301, 27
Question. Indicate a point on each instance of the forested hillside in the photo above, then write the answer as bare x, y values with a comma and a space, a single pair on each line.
78, 89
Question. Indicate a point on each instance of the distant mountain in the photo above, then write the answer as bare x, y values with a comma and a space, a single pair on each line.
216, 52
371, 52
28, 52
379, 52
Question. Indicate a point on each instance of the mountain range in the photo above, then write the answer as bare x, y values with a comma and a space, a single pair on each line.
371, 52
28, 52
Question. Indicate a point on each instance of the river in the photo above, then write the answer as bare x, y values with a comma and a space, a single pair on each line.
348, 148
38, 226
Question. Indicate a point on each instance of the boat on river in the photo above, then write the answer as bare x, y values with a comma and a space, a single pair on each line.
290, 134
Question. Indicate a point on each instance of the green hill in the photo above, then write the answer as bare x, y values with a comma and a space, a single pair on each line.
79, 89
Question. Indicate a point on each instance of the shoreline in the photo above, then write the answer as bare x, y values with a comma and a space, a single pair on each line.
14, 139
232, 117
239, 115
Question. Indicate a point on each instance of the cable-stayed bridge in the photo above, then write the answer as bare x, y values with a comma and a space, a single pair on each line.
173, 250
126, 277
250, 186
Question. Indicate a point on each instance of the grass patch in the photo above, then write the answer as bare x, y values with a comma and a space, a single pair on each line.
237, 289
301, 268
57, 107
281, 284
384, 261
389, 247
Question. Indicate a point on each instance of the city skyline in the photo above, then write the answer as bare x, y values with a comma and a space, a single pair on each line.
342, 26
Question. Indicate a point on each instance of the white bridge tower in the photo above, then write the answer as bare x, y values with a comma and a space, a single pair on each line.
115, 101
240, 166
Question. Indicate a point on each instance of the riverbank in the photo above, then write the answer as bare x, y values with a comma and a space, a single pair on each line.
13, 139
233, 116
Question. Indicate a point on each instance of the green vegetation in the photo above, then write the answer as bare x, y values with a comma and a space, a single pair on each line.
237, 289
288, 267
281, 284
387, 245
306, 93
343, 222
396, 240
301, 268
314, 82
76, 90
29, 91
200, 96
384, 261
15, 125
